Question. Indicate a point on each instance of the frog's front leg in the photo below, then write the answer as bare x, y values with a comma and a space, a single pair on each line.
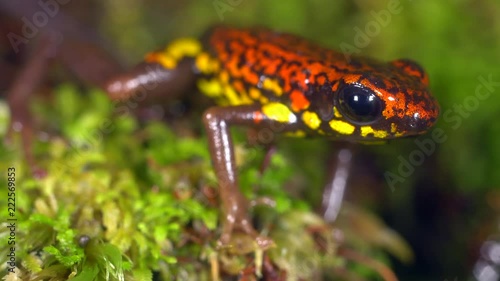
339, 172
217, 122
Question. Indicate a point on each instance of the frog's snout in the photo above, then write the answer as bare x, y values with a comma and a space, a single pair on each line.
419, 125
423, 120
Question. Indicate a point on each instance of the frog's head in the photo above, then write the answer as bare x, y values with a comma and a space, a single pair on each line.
387, 102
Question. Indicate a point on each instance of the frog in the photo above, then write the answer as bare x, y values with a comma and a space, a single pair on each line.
263, 79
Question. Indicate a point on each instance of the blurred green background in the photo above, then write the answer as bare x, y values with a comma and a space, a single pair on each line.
449, 205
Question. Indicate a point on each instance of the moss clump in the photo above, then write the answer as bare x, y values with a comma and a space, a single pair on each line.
121, 201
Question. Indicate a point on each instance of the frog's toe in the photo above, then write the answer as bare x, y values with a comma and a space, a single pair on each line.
243, 243
230, 239
264, 242
263, 201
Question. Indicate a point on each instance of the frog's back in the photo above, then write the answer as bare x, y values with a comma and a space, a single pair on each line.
260, 65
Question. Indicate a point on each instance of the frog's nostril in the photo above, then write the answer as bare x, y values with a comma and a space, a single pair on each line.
420, 123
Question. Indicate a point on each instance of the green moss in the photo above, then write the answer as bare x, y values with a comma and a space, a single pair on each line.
121, 201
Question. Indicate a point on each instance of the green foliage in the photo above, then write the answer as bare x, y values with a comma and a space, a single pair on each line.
120, 203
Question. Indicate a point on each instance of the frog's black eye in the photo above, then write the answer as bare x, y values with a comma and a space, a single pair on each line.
359, 104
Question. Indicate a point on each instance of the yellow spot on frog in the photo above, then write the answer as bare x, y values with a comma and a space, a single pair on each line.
232, 96
206, 64
166, 61
254, 93
336, 112
365, 130
399, 134
183, 47
180, 48
245, 99
311, 119
342, 127
279, 112
211, 88
393, 128
272, 85
203, 63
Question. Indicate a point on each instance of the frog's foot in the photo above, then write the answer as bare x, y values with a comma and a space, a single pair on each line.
263, 201
261, 242
24, 128
236, 218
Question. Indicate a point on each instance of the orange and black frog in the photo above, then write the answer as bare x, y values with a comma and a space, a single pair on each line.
265, 79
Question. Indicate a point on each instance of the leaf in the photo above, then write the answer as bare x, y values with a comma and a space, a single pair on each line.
89, 272
113, 259
142, 274
32, 263
67, 260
